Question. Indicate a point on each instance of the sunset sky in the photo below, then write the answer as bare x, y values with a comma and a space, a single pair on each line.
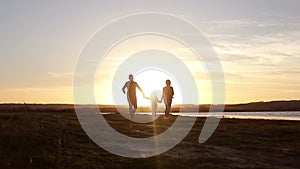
258, 44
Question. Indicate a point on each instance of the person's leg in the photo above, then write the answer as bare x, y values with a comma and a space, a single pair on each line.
166, 108
132, 111
131, 107
153, 108
134, 105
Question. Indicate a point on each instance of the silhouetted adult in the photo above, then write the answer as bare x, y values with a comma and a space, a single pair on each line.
168, 93
131, 94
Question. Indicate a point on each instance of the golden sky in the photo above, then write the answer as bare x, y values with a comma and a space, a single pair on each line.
257, 44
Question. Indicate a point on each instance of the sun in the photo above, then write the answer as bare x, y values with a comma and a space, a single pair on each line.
151, 64
153, 80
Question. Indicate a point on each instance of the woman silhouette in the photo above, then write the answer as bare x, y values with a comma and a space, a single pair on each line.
168, 94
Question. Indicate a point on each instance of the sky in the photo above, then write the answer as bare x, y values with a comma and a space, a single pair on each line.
257, 43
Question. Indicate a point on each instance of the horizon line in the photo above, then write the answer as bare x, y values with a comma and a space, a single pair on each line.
56, 103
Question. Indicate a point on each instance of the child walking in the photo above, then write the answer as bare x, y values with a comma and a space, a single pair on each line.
154, 100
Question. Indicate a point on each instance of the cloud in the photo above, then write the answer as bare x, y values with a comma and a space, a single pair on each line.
257, 56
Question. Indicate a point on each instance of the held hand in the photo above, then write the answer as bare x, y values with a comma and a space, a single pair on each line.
160, 100
145, 96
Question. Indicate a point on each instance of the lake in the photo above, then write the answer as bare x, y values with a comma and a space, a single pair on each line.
281, 115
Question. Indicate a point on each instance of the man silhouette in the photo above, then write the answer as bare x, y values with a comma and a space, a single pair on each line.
168, 93
131, 94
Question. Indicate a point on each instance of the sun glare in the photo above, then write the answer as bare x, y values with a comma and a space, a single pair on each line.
131, 56
153, 81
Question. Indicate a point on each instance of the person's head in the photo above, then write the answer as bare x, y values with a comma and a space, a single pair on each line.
153, 94
168, 82
131, 77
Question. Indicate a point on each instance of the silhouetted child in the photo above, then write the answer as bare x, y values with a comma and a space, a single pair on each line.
154, 101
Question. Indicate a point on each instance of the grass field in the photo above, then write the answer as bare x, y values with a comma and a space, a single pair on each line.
45, 140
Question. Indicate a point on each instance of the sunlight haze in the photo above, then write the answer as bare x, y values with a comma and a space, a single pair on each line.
257, 43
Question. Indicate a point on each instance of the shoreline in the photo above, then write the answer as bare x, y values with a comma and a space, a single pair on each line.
261, 115
221, 116
281, 105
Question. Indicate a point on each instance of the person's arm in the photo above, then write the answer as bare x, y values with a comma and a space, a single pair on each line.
172, 92
162, 96
161, 99
123, 88
140, 89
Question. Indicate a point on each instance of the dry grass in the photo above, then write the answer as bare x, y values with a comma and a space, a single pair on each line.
56, 140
